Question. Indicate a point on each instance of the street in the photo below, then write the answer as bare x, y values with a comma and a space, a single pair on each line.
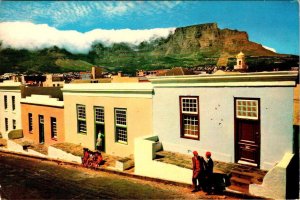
27, 178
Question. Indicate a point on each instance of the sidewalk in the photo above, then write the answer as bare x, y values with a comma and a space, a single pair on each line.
109, 165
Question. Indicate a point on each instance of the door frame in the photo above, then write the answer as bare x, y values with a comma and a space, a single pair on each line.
95, 128
236, 146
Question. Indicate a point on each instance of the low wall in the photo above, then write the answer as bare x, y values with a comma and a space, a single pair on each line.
144, 153
275, 181
62, 155
15, 147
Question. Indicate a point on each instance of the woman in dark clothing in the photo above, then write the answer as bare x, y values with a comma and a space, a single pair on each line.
209, 172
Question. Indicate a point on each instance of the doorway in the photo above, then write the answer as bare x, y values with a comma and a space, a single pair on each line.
247, 131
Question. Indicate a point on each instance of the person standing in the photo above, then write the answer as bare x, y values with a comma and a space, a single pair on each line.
198, 171
209, 172
99, 141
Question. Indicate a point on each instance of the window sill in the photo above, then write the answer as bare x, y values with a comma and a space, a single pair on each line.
82, 133
122, 142
190, 138
54, 138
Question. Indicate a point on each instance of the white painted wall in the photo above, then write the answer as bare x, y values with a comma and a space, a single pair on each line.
144, 165
217, 120
9, 113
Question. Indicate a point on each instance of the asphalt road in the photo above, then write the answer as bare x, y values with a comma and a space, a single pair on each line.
27, 178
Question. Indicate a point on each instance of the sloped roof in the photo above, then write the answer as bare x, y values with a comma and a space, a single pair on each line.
176, 71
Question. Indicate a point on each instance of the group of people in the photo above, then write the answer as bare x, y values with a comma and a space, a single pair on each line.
91, 159
202, 172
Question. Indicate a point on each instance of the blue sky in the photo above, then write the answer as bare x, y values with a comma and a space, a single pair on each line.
274, 24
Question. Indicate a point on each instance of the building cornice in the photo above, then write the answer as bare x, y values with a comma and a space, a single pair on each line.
110, 89
256, 79
42, 100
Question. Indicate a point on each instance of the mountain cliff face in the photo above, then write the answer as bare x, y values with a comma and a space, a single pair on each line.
209, 39
192, 46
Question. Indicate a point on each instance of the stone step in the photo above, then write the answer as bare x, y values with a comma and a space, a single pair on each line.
240, 182
240, 174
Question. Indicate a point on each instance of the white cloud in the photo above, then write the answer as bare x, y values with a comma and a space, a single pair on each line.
269, 48
38, 36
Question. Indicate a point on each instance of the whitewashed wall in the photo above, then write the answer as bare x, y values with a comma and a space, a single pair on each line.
217, 120
9, 113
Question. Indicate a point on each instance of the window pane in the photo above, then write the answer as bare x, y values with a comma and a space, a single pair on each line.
121, 117
190, 126
53, 127
121, 134
80, 111
189, 105
30, 121
81, 126
99, 115
249, 109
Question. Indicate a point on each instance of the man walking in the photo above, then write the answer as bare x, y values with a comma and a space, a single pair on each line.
198, 171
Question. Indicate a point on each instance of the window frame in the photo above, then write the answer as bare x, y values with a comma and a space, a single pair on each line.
5, 102
14, 124
81, 120
13, 103
245, 99
95, 115
30, 123
6, 123
53, 130
120, 126
193, 114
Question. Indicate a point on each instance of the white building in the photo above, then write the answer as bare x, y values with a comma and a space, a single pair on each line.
242, 117
240, 62
10, 111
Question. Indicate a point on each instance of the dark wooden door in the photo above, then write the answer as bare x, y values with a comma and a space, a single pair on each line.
247, 131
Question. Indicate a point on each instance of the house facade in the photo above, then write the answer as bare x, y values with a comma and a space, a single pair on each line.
10, 112
243, 118
120, 111
43, 119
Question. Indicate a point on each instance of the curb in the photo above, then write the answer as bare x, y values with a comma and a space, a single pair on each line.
226, 192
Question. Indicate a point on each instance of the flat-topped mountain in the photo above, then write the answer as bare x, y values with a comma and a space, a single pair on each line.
208, 38
192, 46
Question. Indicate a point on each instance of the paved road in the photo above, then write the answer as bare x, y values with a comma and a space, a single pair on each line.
27, 178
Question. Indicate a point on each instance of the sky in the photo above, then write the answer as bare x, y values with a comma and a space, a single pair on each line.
75, 25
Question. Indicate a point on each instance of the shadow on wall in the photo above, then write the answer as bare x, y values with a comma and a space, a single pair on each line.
292, 191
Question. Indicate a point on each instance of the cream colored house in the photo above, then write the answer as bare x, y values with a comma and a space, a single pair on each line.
10, 111
121, 111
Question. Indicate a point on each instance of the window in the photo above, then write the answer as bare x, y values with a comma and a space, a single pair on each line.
99, 115
30, 122
6, 124
247, 109
121, 125
189, 112
53, 128
13, 102
81, 119
5, 101
14, 124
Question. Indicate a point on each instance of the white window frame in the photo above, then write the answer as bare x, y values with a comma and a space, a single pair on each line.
248, 107
189, 108
120, 127
81, 119
53, 127
99, 112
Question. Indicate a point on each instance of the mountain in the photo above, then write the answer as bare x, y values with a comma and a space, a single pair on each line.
192, 46
208, 39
